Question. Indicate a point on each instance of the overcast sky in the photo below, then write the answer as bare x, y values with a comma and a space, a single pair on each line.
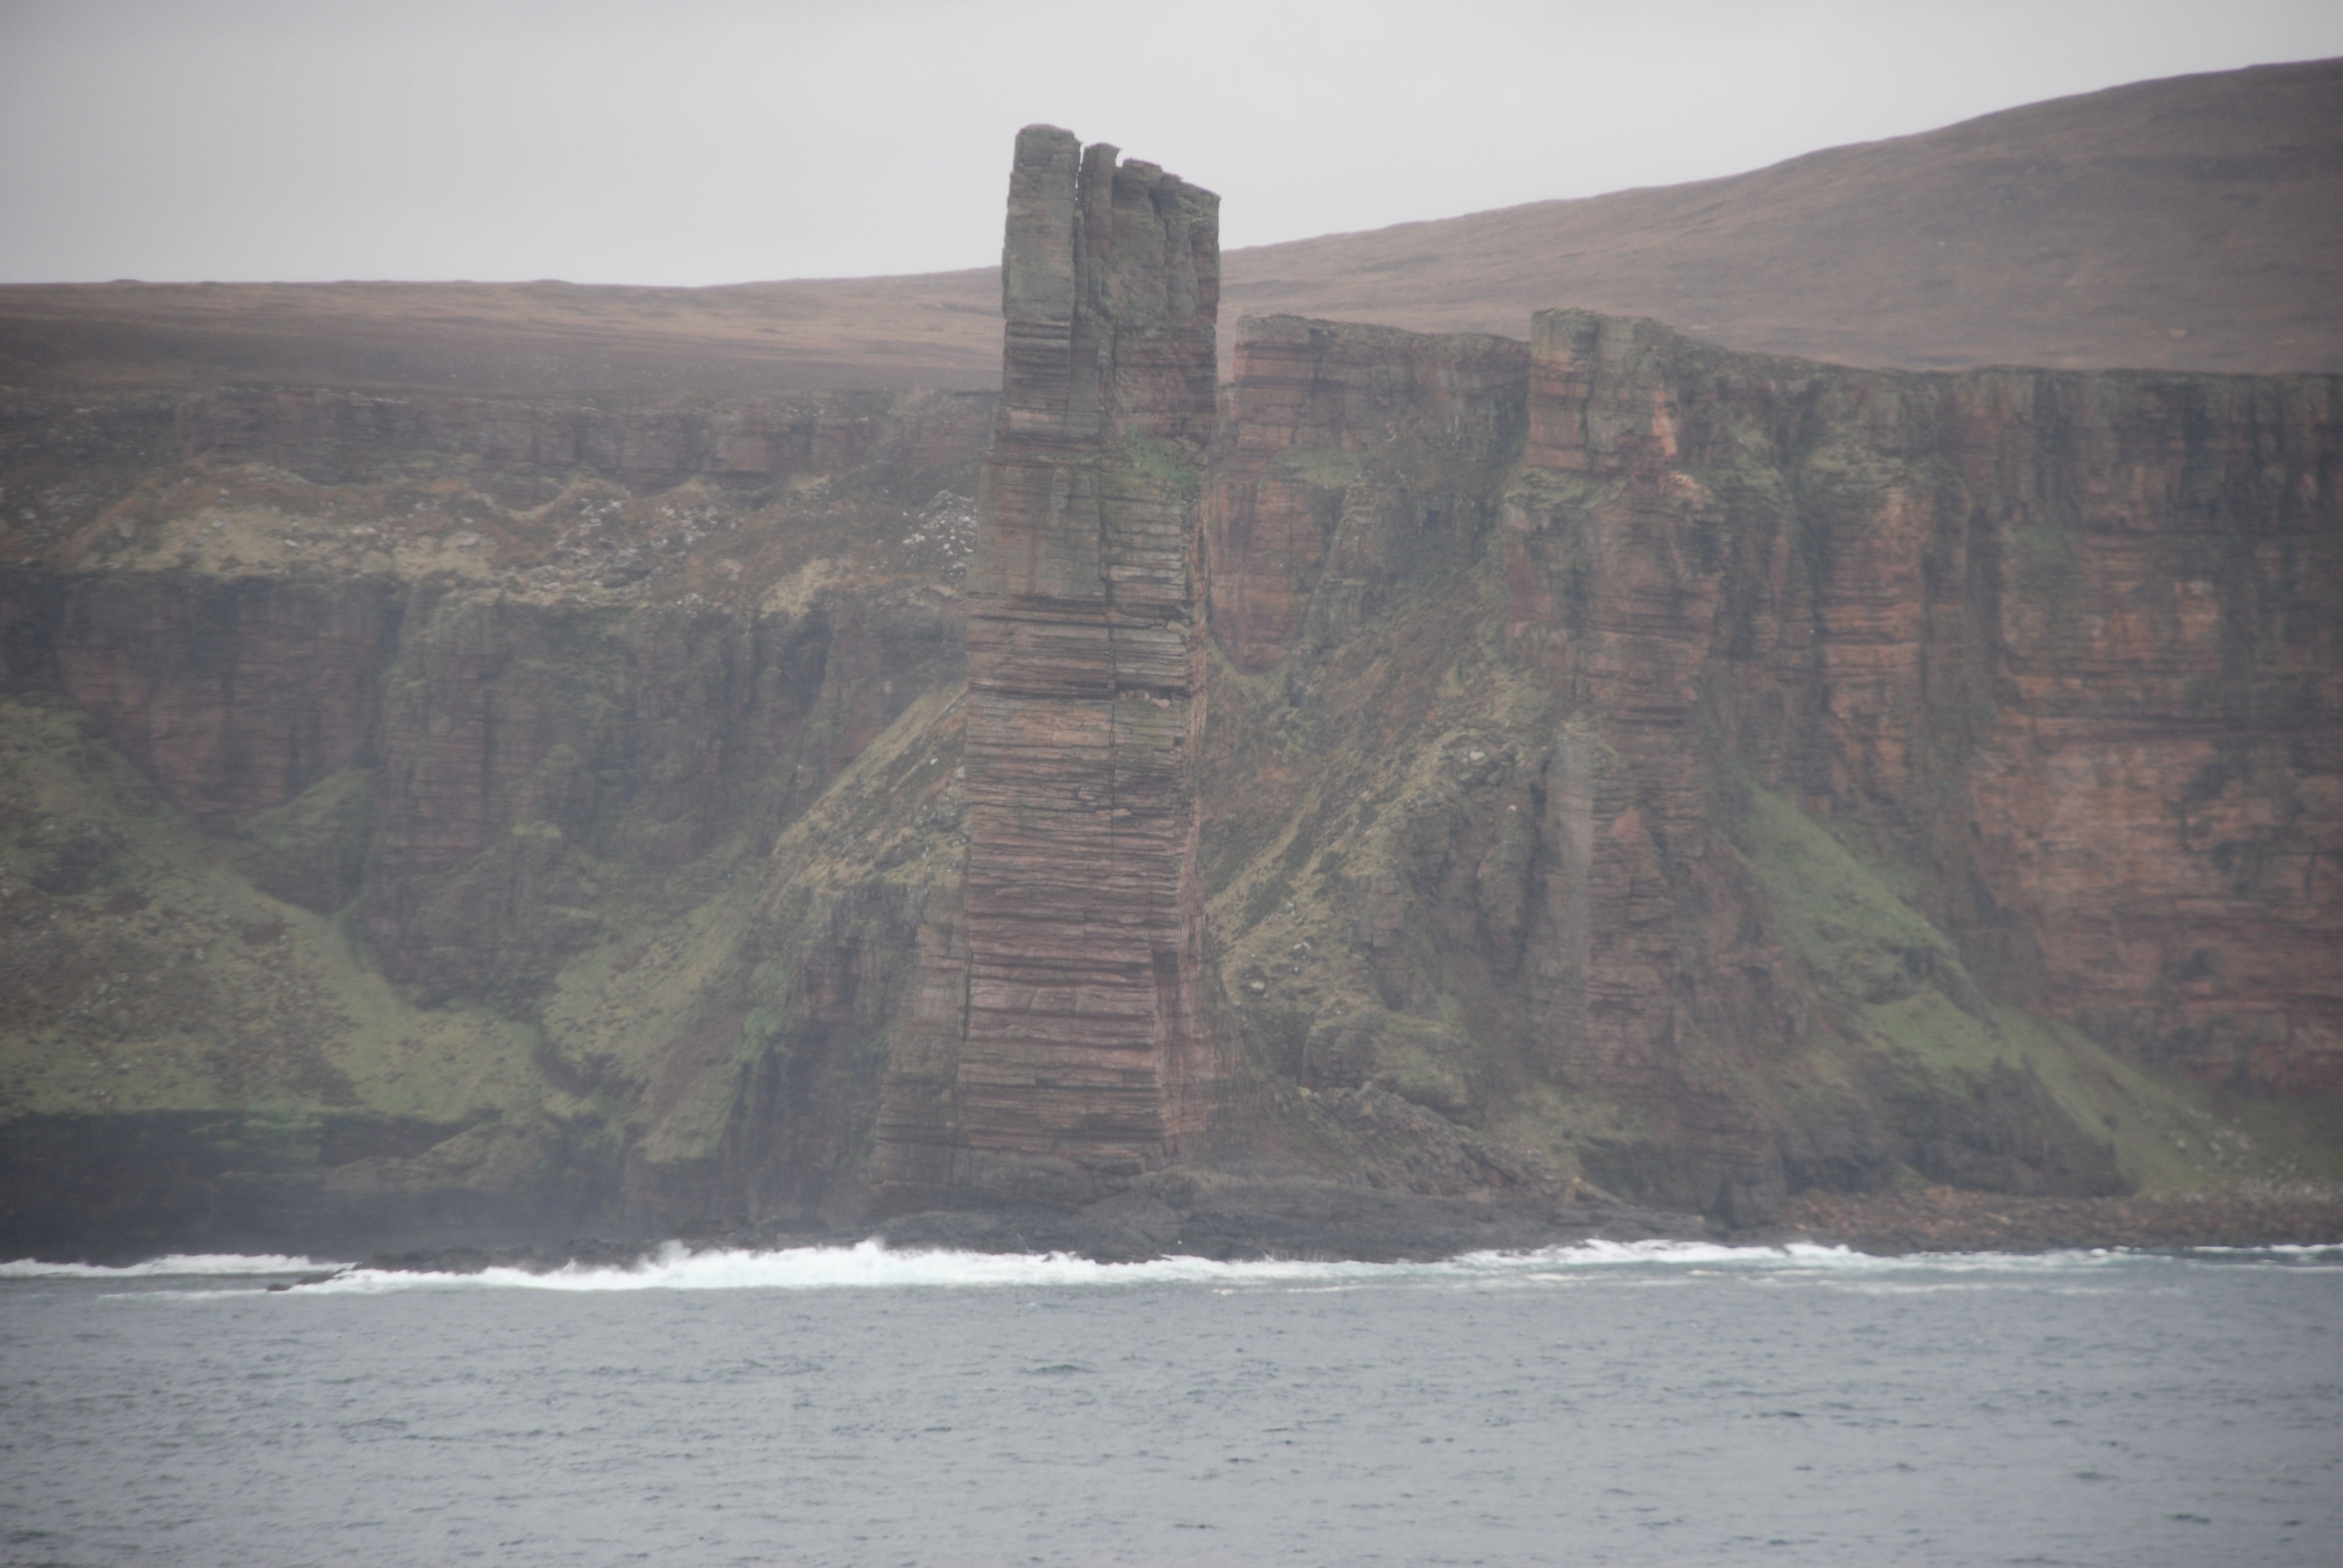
716, 141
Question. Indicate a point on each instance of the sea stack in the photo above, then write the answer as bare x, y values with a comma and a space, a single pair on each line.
1061, 1043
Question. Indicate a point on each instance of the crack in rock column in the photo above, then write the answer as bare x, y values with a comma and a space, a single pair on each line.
1085, 1055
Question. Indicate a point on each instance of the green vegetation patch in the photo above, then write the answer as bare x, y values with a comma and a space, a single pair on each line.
1906, 1021
310, 851
1163, 463
158, 990
676, 1010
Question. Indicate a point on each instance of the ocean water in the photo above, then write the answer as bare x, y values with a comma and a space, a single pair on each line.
1649, 1405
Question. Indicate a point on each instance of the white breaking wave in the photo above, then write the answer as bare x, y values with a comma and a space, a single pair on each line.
868, 1265
871, 1265
212, 1265
2315, 1251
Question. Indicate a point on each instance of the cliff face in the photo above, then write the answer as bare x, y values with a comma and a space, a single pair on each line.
1633, 767
1311, 398
516, 449
2070, 639
1776, 758
329, 800
1077, 1051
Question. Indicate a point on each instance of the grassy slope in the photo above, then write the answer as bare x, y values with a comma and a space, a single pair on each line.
143, 973
1302, 858
147, 972
732, 974
225, 999
1899, 1001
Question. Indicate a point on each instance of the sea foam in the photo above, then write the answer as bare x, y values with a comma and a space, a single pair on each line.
872, 1265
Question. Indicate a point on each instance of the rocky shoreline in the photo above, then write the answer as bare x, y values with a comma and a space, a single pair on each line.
1168, 1214
1234, 1220
1950, 1219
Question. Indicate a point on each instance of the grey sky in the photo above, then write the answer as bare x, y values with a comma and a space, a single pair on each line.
709, 141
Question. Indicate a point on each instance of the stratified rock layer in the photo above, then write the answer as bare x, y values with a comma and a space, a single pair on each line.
1636, 771
320, 795
2071, 639
1076, 1052
516, 447
1800, 773
1311, 398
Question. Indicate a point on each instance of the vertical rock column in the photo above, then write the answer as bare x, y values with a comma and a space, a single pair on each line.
1082, 1056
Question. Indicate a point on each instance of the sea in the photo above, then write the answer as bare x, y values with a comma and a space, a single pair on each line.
1656, 1403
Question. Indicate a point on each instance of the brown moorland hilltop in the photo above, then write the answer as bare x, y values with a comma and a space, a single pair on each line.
537, 339
2194, 223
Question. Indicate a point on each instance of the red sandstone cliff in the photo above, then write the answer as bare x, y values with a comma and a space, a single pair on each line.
2070, 639
321, 795
1076, 1052
1702, 776
1632, 766
1768, 736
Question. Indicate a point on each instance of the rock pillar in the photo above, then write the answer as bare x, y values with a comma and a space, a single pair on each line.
1083, 1054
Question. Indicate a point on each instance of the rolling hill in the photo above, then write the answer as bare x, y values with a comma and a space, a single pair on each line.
2194, 223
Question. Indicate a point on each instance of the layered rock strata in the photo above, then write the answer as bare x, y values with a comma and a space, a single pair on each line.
1310, 399
349, 826
514, 446
2067, 640
1076, 1052
1635, 769
1799, 772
